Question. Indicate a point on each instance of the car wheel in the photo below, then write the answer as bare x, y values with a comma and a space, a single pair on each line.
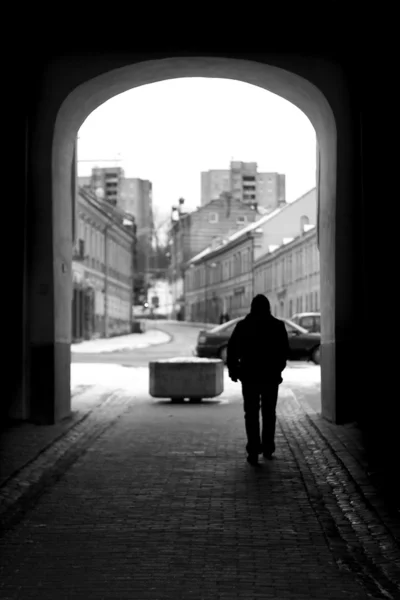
224, 355
315, 355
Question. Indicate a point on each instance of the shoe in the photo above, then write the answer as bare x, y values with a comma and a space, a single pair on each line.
253, 460
268, 455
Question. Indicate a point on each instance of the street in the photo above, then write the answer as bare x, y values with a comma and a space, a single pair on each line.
161, 504
182, 344
301, 378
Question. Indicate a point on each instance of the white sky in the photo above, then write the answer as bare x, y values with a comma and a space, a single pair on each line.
168, 132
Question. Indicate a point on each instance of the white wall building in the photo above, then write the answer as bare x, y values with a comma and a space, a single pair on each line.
222, 277
289, 274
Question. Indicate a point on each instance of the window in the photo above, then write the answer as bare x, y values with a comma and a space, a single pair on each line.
81, 248
290, 328
241, 220
290, 278
213, 217
304, 220
307, 323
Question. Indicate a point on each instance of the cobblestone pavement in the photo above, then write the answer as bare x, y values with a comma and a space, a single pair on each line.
153, 500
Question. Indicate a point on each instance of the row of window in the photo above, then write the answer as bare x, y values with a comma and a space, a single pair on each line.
308, 302
213, 217
236, 304
91, 245
211, 273
213, 308
288, 269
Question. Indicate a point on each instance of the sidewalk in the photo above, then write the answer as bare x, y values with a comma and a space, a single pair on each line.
191, 323
151, 337
144, 499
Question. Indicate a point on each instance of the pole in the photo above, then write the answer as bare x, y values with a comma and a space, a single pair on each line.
106, 281
205, 293
132, 299
252, 266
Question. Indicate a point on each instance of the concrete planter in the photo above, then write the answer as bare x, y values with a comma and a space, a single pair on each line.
180, 378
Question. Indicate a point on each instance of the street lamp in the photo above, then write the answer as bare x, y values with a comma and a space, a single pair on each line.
130, 222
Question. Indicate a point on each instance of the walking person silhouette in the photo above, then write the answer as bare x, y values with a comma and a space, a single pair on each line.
257, 353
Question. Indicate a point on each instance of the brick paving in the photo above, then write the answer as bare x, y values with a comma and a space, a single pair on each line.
20, 442
153, 500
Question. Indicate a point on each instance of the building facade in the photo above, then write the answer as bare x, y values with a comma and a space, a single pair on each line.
287, 221
105, 182
136, 198
214, 183
271, 190
220, 281
191, 232
133, 196
289, 274
221, 278
102, 271
246, 184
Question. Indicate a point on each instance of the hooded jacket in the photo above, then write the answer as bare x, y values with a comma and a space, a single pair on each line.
258, 348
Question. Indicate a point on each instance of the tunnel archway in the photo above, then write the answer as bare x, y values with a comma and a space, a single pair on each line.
94, 91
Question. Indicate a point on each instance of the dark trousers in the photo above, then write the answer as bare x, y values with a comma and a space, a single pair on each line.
254, 395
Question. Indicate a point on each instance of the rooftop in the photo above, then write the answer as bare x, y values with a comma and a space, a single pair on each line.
248, 228
285, 242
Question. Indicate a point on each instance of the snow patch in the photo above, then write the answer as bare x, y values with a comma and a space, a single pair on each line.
122, 343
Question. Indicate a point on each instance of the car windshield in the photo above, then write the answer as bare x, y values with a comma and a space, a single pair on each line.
225, 327
290, 326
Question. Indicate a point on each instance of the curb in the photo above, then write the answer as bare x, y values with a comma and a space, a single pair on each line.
193, 323
70, 424
353, 525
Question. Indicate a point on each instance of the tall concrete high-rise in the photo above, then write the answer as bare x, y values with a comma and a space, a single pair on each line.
136, 198
131, 194
214, 183
271, 190
105, 182
245, 183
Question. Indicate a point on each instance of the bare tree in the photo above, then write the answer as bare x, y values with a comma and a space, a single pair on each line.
160, 258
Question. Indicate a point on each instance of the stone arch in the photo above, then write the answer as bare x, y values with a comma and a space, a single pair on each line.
91, 92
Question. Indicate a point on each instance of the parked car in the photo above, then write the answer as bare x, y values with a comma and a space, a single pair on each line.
308, 320
303, 345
